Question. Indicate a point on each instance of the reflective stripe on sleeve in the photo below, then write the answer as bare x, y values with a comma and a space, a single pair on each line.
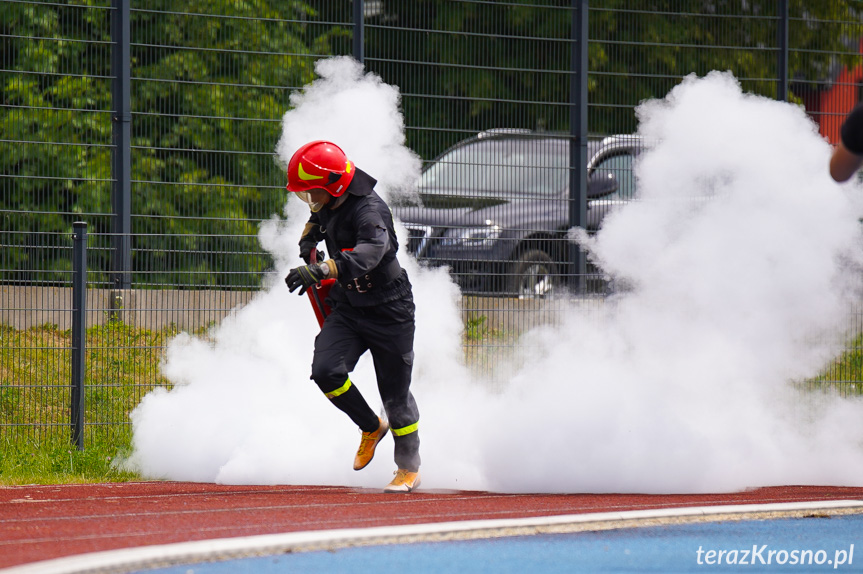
406, 430
339, 391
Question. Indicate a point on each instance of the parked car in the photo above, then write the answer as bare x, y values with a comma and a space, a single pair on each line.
495, 209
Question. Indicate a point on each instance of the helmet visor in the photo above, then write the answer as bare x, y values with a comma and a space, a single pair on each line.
307, 197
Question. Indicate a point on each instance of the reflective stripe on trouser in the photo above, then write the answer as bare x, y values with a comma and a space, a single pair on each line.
406, 430
339, 391
348, 399
407, 446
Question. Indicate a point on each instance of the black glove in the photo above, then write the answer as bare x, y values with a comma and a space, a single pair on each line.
304, 277
306, 251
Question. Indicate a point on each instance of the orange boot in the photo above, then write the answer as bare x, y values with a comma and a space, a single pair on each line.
368, 442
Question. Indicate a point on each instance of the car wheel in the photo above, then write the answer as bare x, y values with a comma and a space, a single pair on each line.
534, 275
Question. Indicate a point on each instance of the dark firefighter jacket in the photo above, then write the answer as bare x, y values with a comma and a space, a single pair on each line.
361, 239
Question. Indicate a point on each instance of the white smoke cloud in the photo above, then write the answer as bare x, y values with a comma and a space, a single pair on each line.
358, 112
740, 259
740, 255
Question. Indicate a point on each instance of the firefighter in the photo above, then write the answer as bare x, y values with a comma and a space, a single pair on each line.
847, 157
371, 302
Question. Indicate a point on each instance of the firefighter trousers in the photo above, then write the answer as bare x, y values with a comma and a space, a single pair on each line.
387, 332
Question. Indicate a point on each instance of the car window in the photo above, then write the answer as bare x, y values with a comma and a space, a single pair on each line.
501, 169
620, 166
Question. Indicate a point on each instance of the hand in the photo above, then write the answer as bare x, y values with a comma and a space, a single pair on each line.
304, 277
306, 248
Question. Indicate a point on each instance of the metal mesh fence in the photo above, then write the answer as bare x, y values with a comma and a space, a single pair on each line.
483, 83
207, 92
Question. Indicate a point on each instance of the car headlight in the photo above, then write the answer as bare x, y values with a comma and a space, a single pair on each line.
472, 236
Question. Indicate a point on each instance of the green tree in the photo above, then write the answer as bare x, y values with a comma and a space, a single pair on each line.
211, 79
489, 65
640, 49
209, 86
56, 160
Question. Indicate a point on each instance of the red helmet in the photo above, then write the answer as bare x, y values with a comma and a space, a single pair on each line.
320, 164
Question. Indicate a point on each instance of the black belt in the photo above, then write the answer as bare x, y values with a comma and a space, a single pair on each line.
379, 276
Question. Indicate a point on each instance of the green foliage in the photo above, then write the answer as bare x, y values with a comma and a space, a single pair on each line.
211, 79
508, 66
56, 461
209, 86
735, 35
475, 328
35, 375
122, 366
844, 375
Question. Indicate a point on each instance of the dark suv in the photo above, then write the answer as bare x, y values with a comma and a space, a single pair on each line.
495, 208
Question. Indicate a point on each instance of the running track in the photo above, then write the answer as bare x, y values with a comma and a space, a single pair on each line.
44, 522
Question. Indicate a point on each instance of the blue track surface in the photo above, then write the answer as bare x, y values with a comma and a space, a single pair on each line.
784, 545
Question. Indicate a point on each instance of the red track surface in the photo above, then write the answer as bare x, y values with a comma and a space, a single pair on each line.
43, 522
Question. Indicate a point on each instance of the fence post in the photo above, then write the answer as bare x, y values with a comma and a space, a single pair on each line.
782, 42
121, 167
359, 31
578, 137
79, 326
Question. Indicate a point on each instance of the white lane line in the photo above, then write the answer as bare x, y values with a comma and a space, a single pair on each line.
161, 556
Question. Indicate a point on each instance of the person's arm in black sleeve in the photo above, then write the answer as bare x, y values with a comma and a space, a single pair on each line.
310, 237
371, 246
848, 155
